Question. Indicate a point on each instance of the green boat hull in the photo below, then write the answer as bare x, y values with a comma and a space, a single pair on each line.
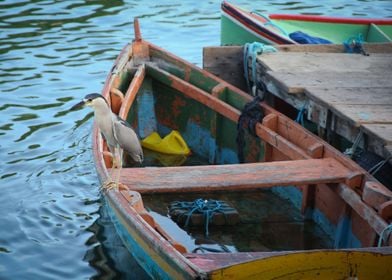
239, 26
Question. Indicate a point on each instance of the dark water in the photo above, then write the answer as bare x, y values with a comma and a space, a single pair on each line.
51, 54
257, 221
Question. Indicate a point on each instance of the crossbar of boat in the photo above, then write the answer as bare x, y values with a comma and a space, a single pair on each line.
235, 176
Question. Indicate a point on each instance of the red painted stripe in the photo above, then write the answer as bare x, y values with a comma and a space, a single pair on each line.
328, 19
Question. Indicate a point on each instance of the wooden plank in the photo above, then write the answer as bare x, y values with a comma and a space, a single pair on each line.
277, 141
365, 114
294, 82
383, 131
374, 194
335, 48
329, 62
359, 96
132, 91
366, 212
226, 63
234, 176
194, 92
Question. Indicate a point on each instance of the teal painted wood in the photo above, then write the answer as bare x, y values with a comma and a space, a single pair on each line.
341, 233
141, 256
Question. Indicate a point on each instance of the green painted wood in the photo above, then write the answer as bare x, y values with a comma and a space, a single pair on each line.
234, 32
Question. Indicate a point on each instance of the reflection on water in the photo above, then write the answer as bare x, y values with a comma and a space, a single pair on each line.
51, 54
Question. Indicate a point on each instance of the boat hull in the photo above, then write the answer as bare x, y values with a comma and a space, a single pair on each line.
148, 252
239, 27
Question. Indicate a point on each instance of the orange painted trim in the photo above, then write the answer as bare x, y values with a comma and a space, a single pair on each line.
246, 176
132, 91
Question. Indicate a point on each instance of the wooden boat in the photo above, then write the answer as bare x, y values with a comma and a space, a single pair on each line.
239, 26
286, 166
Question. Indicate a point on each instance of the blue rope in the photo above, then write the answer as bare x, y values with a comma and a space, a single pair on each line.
252, 50
206, 207
387, 230
300, 116
354, 44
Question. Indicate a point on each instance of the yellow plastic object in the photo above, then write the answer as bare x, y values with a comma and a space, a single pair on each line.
172, 144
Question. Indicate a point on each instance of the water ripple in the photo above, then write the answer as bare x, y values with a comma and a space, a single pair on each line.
51, 54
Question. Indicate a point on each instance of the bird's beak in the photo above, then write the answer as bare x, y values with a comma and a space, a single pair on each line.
78, 106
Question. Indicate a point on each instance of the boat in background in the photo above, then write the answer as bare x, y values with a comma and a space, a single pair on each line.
239, 26
156, 91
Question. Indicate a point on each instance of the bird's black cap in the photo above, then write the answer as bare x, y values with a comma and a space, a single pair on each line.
92, 96
89, 97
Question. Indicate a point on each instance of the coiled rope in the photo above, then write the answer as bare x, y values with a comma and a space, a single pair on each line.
354, 44
251, 51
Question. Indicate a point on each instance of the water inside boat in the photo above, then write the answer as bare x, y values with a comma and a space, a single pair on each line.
152, 158
267, 223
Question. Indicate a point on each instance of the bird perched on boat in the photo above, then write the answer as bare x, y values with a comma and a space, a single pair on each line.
117, 133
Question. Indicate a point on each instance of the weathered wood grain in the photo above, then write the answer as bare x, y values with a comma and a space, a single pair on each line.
383, 131
235, 176
226, 63
366, 114
306, 62
359, 96
296, 82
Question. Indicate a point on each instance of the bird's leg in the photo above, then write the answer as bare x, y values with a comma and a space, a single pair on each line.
119, 167
115, 172
109, 184
112, 156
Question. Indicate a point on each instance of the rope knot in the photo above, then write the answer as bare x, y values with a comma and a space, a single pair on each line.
205, 207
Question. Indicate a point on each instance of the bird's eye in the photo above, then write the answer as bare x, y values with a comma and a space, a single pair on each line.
89, 100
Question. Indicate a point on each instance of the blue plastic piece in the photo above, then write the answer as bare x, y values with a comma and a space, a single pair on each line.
303, 38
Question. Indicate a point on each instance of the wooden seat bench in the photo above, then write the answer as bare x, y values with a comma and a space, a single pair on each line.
234, 176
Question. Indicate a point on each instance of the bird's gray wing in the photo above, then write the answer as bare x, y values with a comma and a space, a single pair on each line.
127, 139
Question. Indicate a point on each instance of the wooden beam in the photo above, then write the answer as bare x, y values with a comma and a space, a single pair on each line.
132, 91
363, 210
234, 176
194, 92
280, 143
